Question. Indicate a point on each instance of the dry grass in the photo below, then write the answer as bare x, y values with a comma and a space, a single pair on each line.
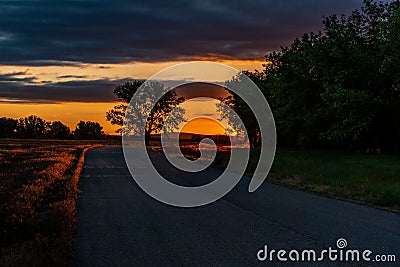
38, 192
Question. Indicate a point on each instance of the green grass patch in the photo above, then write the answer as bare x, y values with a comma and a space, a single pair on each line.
368, 179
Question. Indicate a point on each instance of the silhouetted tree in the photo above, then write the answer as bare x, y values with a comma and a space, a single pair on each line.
32, 127
8, 127
88, 130
158, 114
58, 130
241, 108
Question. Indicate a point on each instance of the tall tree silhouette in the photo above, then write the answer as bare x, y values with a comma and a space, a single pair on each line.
235, 103
137, 113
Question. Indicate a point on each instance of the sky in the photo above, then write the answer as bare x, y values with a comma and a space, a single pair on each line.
61, 60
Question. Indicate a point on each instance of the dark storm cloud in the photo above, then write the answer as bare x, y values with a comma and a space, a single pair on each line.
13, 77
48, 32
72, 91
77, 33
200, 89
71, 76
207, 115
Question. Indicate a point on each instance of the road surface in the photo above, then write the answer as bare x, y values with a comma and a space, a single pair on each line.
120, 225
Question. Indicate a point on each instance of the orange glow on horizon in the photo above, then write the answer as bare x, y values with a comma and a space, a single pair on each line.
203, 126
69, 113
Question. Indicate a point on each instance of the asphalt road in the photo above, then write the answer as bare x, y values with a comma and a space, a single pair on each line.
120, 225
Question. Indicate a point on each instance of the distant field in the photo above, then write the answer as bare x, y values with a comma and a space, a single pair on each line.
368, 179
38, 190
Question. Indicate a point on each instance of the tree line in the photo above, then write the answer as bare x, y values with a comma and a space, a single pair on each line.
338, 88
34, 127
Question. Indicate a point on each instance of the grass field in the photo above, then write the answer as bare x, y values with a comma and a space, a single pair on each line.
367, 179
38, 191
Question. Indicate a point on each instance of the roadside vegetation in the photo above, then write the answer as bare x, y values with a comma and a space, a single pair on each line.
364, 178
38, 192
368, 179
